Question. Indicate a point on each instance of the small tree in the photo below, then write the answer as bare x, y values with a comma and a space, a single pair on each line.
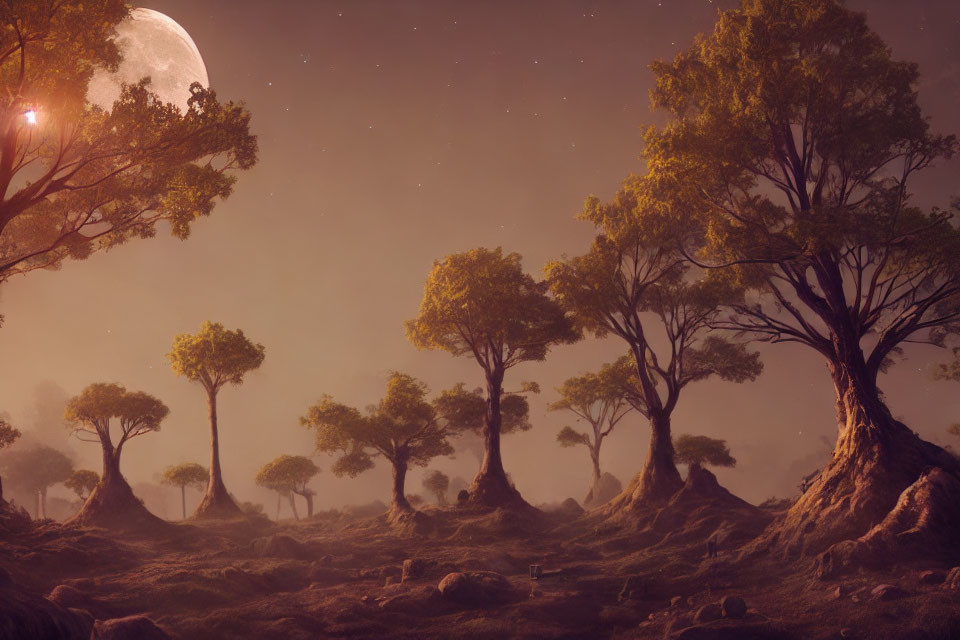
289, 475
601, 400
82, 482
91, 417
8, 435
35, 470
188, 474
403, 429
697, 451
437, 483
214, 357
481, 304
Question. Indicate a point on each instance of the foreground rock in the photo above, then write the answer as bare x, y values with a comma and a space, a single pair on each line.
129, 628
475, 588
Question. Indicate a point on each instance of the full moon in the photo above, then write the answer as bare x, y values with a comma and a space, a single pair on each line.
152, 45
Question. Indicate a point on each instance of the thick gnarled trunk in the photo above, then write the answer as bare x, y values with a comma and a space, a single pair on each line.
491, 488
875, 460
216, 502
398, 499
659, 479
112, 501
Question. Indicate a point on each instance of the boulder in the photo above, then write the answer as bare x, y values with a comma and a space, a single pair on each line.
475, 588
570, 508
70, 597
414, 569
708, 613
932, 577
463, 497
278, 546
886, 592
733, 607
129, 628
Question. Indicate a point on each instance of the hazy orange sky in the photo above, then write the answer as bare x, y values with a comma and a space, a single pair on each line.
393, 133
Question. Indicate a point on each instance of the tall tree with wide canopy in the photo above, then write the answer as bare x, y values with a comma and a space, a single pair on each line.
634, 285
187, 474
8, 435
214, 357
481, 304
403, 428
91, 416
74, 178
601, 400
34, 470
290, 475
793, 139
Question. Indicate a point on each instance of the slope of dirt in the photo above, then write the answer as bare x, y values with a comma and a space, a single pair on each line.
337, 576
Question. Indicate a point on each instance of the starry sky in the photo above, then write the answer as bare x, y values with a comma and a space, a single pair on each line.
393, 133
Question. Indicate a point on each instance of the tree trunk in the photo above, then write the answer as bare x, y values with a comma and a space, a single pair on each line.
293, 505
183, 501
875, 459
112, 502
279, 496
659, 479
398, 499
594, 494
37, 511
216, 502
491, 488
308, 496
43, 502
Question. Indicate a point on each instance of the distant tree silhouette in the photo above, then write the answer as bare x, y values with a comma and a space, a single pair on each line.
34, 470
481, 304
437, 483
187, 474
600, 399
697, 451
289, 475
214, 357
403, 428
76, 179
91, 416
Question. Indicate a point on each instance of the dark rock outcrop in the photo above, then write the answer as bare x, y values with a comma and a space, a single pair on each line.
475, 588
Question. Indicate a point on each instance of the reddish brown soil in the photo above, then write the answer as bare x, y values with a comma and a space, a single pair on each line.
327, 578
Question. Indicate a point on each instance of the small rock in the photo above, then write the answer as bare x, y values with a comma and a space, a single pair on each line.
932, 577
733, 607
708, 613
367, 599
129, 628
842, 591
67, 596
886, 592
463, 497
475, 588
413, 569
676, 602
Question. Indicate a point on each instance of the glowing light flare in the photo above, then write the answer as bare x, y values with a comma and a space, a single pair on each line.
30, 116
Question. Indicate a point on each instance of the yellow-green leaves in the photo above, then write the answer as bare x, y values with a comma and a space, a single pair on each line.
8, 434
99, 403
481, 303
82, 482
215, 356
569, 437
287, 473
701, 450
188, 474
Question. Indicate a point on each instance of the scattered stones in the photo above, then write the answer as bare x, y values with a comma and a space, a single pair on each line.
733, 607
414, 569
886, 592
708, 613
475, 588
129, 628
932, 577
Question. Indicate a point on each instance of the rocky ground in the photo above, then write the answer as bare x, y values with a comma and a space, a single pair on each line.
454, 573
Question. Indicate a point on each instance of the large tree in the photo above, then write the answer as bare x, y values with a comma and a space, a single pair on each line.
187, 474
214, 357
8, 435
290, 475
34, 470
403, 428
91, 416
481, 304
792, 141
601, 400
633, 284
75, 178
696, 451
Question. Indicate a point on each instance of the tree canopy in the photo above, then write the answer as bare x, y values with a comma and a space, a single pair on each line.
287, 473
702, 450
75, 178
90, 414
36, 468
187, 474
437, 483
8, 434
82, 482
215, 356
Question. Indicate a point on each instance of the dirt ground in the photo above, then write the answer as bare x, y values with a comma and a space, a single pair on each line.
336, 576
